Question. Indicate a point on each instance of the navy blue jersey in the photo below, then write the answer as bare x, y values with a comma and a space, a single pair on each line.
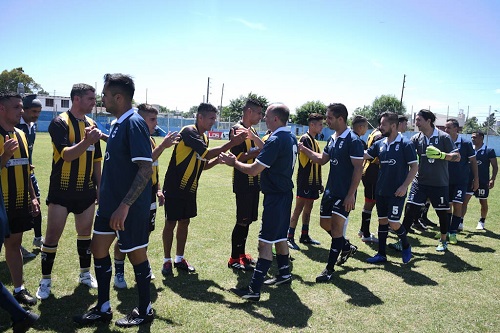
340, 150
394, 161
483, 156
128, 143
459, 172
278, 156
30, 131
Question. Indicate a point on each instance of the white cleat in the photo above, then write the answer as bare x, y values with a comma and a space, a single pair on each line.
480, 226
120, 282
38, 241
43, 291
370, 239
87, 279
461, 227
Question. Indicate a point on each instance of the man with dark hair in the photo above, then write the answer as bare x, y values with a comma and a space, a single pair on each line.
246, 188
275, 164
309, 184
18, 193
459, 177
344, 150
190, 157
485, 157
398, 166
434, 149
150, 116
124, 203
402, 123
32, 108
74, 180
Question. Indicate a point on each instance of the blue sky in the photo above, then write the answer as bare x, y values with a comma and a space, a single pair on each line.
289, 51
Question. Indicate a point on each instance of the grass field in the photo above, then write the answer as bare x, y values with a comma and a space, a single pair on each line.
458, 291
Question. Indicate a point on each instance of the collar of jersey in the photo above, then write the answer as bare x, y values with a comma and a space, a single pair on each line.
282, 129
343, 135
459, 138
483, 147
124, 116
397, 139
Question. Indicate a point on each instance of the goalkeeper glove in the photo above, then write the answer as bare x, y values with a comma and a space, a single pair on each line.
433, 152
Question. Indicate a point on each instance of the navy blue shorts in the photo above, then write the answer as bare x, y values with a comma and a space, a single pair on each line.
457, 192
152, 209
180, 209
390, 208
247, 207
437, 195
332, 205
276, 217
135, 235
307, 193
481, 193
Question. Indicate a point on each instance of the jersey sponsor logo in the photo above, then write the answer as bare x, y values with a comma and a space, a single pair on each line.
114, 132
390, 162
334, 161
479, 162
17, 161
397, 147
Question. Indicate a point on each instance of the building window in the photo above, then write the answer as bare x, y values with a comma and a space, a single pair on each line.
49, 102
65, 103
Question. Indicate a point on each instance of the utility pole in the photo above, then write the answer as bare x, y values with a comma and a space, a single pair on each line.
208, 88
402, 91
221, 95
146, 95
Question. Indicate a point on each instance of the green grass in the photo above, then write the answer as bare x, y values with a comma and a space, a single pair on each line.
457, 291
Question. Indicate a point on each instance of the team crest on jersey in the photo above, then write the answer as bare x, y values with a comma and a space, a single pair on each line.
341, 144
458, 145
436, 141
335, 161
114, 132
397, 147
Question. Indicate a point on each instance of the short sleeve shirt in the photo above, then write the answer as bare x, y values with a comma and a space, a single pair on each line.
241, 181
341, 150
309, 173
433, 172
394, 157
278, 156
459, 171
483, 156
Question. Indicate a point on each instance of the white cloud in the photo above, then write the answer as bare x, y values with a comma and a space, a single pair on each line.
251, 25
497, 91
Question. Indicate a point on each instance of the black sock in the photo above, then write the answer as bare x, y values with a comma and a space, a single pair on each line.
103, 272
411, 214
346, 246
424, 210
336, 247
383, 230
10, 304
443, 221
119, 266
366, 215
305, 229
48, 256
83, 246
283, 266
482, 219
403, 236
143, 279
455, 221
238, 240
291, 232
37, 225
259, 273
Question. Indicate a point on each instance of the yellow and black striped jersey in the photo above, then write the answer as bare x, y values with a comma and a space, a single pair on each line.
75, 177
155, 176
186, 164
16, 173
371, 167
308, 174
241, 181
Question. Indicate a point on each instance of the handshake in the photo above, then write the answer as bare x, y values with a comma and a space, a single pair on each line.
435, 153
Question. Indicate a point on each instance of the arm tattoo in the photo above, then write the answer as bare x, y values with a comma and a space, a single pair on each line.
140, 181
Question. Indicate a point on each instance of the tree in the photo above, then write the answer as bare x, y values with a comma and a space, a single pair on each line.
233, 111
10, 79
303, 111
489, 123
471, 125
380, 105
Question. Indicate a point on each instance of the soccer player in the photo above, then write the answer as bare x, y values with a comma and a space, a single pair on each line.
275, 164
398, 167
190, 157
434, 149
74, 179
18, 193
309, 184
32, 108
344, 150
124, 204
486, 157
245, 187
459, 177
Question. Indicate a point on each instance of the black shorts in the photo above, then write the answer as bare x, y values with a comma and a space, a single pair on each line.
437, 195
390, 208
247, 207
330, 206
135, 235
457, 192
75, 206
370, 190
307, 193
180, 209
482, 192
20, 220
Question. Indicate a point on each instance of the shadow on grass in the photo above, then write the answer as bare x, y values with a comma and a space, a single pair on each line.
190, 287
450, 261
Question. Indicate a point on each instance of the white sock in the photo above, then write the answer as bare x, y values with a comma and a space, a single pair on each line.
18, 289
178, 259
166, 260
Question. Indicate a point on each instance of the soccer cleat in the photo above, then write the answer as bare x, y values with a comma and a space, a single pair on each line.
235, 264
27, 254
344, 255
461, 227
360, 234
306, 239
246, 293
120, 282
396, 246
370, 239
38, 241
248, 260
136, 319
278, 280
166, 270
376, 259
43, 291
442, 246
291, 244
24, 297
453, 239
185, 266
152, 276
94, 316
480, 225
406, 255
24, 325
325, 276
87, 279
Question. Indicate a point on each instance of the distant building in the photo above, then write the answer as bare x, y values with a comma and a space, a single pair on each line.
441, 119
55, 103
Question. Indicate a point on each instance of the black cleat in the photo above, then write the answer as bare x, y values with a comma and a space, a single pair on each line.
325, 276
24, 297
344, 255
306, 239
136, 319
185, 266
279, 279
25, 324
246, 293
94, 316
292, 245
